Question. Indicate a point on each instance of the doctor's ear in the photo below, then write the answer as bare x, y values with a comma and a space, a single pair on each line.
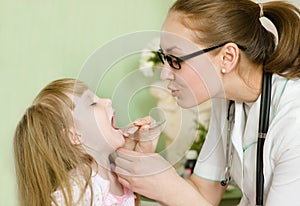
75, 137
229, 57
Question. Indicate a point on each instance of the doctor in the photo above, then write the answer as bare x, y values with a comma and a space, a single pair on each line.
229, 35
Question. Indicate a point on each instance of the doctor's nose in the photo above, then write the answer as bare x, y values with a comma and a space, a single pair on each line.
166, 74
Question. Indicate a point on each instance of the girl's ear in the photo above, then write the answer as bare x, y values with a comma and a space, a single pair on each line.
230, 57
75, 138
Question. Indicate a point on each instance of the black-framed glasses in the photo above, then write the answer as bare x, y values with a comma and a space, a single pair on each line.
175, 62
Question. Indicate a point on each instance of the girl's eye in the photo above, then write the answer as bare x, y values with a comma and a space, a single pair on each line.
93, 104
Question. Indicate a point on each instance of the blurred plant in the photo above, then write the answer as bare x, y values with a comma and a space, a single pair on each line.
198, 142
149, 58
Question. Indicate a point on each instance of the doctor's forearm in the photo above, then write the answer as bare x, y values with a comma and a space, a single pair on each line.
181, 193
211, 190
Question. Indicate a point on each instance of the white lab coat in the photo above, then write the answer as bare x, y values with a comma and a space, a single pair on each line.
281, 148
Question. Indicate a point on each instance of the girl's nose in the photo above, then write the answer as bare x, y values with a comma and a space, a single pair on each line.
166, 74
106, 101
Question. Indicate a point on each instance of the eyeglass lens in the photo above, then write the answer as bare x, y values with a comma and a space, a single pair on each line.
173, 61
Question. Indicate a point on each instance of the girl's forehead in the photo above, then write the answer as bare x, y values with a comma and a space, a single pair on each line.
86, 95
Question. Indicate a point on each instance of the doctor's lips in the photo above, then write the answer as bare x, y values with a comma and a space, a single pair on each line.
173, 91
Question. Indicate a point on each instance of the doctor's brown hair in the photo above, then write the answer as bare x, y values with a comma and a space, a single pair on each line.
219, 21
44, 154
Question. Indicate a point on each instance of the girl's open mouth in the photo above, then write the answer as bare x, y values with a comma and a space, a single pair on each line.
113, 124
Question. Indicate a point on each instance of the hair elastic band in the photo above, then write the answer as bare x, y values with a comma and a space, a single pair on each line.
261, 13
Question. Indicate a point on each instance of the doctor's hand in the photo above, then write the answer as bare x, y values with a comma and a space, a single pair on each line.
141, 135
148, 174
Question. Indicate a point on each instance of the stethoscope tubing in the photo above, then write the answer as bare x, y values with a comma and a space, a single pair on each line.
262, 132
264, 114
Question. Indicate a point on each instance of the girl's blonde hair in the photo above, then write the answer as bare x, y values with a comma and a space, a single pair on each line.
44, 154
220, 21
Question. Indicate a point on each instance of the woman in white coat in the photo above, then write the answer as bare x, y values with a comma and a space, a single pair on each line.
238, 51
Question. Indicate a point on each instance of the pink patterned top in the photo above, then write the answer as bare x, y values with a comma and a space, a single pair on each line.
101, 195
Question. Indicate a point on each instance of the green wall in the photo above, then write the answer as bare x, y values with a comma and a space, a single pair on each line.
43, 40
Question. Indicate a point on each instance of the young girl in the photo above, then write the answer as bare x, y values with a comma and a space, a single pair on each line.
62, 146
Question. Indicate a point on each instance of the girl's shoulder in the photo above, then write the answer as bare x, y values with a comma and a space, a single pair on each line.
99, 193
99, 187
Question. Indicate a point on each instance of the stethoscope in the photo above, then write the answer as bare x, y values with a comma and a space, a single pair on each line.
262, 132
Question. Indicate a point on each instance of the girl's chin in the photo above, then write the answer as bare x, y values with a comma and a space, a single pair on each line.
120, 141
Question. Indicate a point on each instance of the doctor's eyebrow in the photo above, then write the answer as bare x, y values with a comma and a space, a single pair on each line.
170, 48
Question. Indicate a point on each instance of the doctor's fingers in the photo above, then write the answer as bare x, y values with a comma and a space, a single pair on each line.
126, 160
130, 144
141, 165
149, 146
143, 121
123, 166
125, 183
131, 155
148, 134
